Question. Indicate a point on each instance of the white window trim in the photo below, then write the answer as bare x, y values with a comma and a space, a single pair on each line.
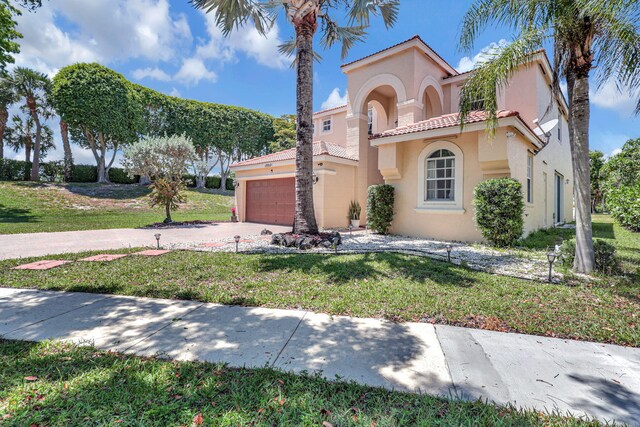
330, 120
530, 174
455, 206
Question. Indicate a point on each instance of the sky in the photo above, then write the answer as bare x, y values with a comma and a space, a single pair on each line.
169, 46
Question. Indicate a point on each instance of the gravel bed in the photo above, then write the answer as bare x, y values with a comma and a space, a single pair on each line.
526, 265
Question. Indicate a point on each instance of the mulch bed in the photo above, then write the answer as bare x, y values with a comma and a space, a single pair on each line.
177, 224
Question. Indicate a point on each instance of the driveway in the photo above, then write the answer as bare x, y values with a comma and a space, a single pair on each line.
39, 244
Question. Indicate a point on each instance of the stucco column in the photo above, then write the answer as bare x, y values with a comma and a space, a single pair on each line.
409, 112
358, 144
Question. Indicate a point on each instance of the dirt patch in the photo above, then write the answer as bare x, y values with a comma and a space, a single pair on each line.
178, 224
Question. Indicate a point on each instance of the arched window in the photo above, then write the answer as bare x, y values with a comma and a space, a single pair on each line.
440, 175
440, 178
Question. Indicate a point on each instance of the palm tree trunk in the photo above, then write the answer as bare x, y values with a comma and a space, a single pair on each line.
35, 165
4, 116
27, 149
305, 217
579, 113
68, 156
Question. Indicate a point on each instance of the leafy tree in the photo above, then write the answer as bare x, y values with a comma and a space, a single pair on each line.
21, 134
623, 169
596, 162
164, 159
8, 32
583, 33
34, 87
67, 164
305, 16
284, 135
101, 108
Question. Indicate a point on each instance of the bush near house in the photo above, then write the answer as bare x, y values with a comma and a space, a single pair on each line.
605, 255
499, 209
380, 203
624, 204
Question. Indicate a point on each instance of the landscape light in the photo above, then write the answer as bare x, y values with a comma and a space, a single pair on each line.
237, 239
157, 236
551, 257
449, 252
350, 229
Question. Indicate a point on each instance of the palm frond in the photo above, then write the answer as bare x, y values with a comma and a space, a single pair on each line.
288, 48
334, 33
361, 11
233, 14
491, 76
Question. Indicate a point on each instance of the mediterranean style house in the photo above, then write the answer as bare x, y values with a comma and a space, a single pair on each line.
401, 127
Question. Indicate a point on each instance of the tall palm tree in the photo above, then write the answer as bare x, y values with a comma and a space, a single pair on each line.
7, 97
305, 16
34, 87
584, 34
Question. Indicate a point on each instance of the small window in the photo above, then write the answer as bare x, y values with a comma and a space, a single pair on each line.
313, 128
440, 177
529, 178
370, 121
559, 126
326, 125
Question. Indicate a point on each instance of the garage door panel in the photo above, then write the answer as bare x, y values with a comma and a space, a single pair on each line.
271, 201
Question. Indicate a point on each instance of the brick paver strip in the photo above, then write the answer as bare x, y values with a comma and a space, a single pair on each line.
241, 241
152, 252
41, 265
104, 257
212, 245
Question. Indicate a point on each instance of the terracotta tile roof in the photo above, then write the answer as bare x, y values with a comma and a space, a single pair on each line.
448, 120
416, 37
320, 148
534, 53
330, 109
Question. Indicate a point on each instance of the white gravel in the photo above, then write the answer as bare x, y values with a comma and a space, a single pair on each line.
516, 263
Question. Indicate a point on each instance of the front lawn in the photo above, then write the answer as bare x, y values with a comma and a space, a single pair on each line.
388, 285
57, 384
28, 207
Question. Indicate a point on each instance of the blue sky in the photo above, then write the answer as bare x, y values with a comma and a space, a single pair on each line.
173, 48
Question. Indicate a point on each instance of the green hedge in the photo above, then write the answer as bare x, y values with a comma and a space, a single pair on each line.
605, 255
624, 205
499, 207
212, 182
229, 184
380, 203
84, 173
14, 170
119, 176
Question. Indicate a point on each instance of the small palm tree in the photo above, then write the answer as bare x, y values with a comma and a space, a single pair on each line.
584, 33
305, 16
34, 87
7, 97
21, 133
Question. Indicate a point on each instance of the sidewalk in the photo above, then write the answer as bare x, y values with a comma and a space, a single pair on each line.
598, 380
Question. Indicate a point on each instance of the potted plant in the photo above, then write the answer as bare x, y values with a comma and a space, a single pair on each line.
354, 214
234, 217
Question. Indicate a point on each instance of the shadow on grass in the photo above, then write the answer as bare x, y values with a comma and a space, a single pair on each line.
343, 269
549, 237
15, 215
110, 191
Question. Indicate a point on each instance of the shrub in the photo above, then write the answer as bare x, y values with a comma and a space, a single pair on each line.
119, 176
229, 184
84, 173
212, 182
624, 205
14, 170
499, 210
52, 171
189, 180
605, 255
354, 210
380, 203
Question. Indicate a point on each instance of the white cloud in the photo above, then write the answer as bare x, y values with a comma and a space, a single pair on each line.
151, 73
334, 99
193, 70
615, 152
609, 97
467, 63
175, 92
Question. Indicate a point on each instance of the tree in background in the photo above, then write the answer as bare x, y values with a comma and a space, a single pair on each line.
8, 32
101, 108
583, 33
21, 134
7, 97
284, 135
623, 169
164, 159
34, 87
67, 163
305, 16
596, 162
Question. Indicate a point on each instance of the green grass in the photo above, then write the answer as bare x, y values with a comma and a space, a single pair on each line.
78, 386
27, 207
387, 285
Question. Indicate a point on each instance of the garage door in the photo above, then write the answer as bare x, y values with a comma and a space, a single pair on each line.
271, 201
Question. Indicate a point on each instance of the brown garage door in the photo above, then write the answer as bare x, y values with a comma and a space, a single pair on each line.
271, 201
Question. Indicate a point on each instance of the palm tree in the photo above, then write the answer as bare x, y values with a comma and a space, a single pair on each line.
21, 134
584, 34
305, 16
34, 87
7, 97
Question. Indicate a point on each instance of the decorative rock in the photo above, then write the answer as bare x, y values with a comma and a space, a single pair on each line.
266, 232
276, 239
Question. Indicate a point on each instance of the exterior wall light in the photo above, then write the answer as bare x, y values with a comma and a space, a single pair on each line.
236, 183
449, 248
551, 257
315, 178
157, 236
237, 240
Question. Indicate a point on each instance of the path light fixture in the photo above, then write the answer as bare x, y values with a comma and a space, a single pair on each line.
551, 257
237, 240
449, 252
350, 229
157, 236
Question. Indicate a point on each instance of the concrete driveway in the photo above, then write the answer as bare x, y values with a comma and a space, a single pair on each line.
39, 244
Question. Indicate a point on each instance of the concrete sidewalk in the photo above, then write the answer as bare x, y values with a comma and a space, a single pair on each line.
39, 244
597, 380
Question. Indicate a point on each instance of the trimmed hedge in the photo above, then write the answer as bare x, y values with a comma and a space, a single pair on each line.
212, 182
229, 184
380, 203
119, 176
499, 207
14, 170
624, 205
84, 173
605, 255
